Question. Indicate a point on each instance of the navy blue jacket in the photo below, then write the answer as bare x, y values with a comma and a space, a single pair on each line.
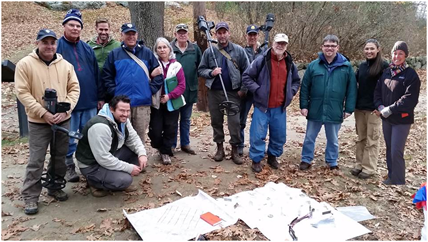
82, 57
257, 79
123, 76
400, 93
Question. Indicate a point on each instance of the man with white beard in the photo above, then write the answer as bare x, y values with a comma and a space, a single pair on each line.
273, 80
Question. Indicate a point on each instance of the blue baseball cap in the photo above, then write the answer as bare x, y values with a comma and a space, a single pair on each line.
43, 33
252, 29
128, 27
221, 25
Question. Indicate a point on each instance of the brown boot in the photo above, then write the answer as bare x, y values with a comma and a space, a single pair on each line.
219, 155
235, 155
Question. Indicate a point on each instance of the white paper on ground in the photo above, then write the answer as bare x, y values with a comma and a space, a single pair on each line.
179, 220
357, 213
272, 207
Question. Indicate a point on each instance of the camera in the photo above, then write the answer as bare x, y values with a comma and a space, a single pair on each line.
52, 104
270, 19
205, 25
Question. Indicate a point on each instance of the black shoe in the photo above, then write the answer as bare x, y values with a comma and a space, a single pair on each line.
219, 155
304, 166
235, 155
31, 208
334, 168
272, 161
257, 167
59, 195
71, 175
355, 172
187, 149
364, 175
240, 150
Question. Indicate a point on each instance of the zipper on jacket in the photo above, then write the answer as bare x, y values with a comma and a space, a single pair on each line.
77, 58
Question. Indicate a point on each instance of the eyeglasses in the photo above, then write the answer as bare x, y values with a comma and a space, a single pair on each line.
329, 46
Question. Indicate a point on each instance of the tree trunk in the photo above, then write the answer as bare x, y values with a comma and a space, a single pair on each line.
148, 17
199, 10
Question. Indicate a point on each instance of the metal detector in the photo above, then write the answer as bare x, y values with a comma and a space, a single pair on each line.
50, 179
227, 107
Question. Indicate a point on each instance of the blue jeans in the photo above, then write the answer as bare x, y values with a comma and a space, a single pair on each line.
185, 115
332, 148
246, 104
275, 119
78, 121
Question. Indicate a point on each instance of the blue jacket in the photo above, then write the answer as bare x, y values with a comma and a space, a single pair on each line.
328, 90
123, 76
257, 79
82, 57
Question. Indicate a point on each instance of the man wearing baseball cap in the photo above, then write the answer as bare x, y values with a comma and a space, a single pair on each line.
232, 62
252, 49
122, 75
41, 69
189, 55
82, 57
273, 79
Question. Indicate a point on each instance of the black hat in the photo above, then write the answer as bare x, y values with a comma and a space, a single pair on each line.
252, 29
73, 14
128, 27
43, 33
400, 45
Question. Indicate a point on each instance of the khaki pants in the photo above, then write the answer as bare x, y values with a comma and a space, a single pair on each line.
39, 138
140, 119
368, 131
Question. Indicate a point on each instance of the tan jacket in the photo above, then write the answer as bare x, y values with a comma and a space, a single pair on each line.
33, 76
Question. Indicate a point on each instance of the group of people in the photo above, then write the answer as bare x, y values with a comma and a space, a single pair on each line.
119, 90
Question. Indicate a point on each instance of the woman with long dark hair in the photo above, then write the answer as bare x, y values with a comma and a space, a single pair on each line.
366, 122
396, 96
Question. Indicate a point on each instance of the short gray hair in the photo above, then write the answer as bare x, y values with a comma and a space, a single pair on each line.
331, 38
162, 39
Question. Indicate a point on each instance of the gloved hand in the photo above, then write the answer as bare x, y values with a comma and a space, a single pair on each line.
386, 112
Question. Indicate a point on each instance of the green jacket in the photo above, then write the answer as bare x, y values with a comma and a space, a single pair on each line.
190, 60
327, 91
101, 52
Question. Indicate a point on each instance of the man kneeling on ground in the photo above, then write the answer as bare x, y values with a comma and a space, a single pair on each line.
111, 152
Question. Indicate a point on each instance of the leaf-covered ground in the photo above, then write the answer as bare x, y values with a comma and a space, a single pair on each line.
84, 217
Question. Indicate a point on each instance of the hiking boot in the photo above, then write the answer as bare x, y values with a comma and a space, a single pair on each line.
334, 168
71, 175
240, 150
387, 182
256, 167
98, 192
355, 172
364, 175
235, 156
59, 195
31, 208
272, 161
166, 160
304, 166
131, 188
219, 155
188, 150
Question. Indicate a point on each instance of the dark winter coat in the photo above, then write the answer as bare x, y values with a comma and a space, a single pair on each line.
82, 57
257, 80
325, 88
400, 93
189, 60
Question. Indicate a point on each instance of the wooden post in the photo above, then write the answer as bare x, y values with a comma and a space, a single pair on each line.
199, 10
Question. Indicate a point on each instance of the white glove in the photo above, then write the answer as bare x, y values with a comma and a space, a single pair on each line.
386, 112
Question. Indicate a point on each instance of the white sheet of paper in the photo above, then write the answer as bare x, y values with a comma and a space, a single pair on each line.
357, 213
179, 220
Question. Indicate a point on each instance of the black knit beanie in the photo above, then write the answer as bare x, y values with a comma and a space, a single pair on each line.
400, 45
